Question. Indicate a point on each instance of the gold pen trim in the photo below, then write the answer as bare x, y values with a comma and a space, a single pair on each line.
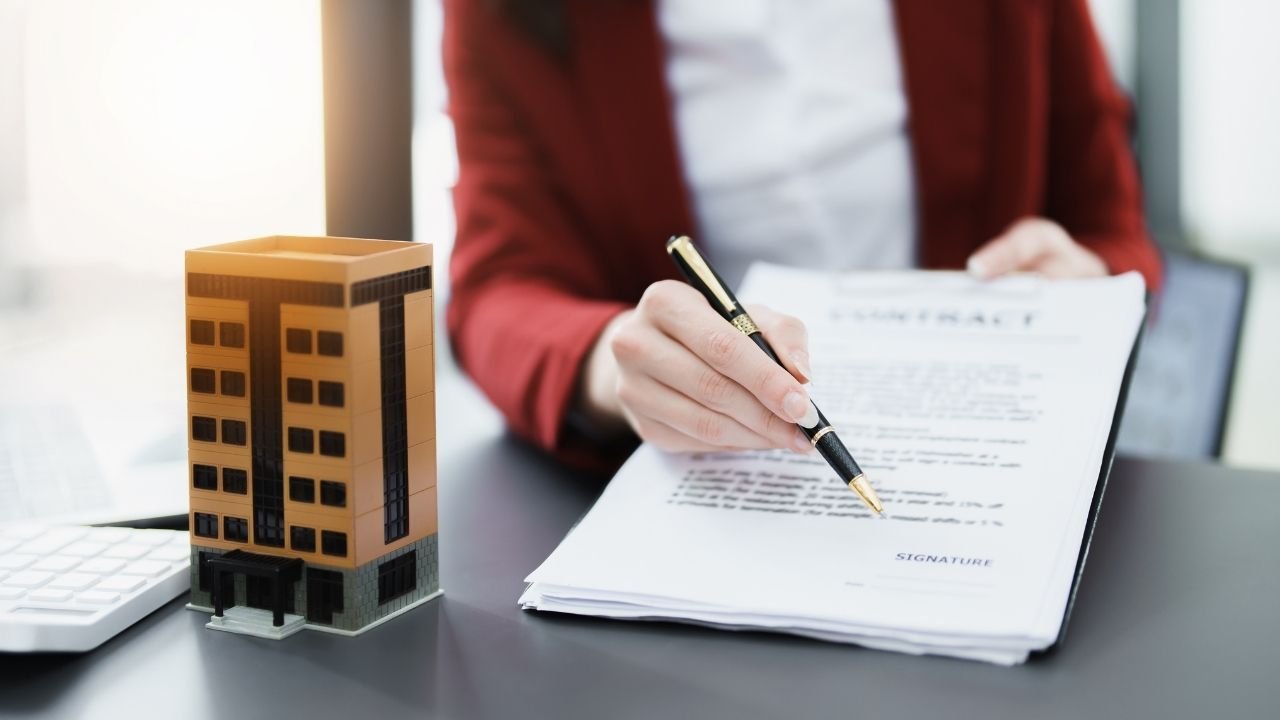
821, 434
693, 258
745, 324
860, 485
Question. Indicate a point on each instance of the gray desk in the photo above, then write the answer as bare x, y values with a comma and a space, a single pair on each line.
1177, 618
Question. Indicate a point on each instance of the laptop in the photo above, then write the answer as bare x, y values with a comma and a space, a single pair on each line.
93, 403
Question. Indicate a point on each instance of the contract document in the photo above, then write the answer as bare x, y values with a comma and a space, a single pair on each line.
981, 413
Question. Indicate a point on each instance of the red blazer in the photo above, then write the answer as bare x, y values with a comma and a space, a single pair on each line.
570, 181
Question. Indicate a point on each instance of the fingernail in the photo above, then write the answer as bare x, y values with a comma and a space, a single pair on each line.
800, 410
800, 359
794, 406
975, 267
800, 443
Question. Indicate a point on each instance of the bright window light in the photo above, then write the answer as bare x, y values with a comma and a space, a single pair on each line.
156, 125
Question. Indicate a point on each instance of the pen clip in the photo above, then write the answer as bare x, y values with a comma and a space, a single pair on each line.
683, 247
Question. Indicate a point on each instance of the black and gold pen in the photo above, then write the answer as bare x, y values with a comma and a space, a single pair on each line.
699, 274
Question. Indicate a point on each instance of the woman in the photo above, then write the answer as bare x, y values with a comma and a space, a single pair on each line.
986, 135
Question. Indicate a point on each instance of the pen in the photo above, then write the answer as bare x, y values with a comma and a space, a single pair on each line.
700, 275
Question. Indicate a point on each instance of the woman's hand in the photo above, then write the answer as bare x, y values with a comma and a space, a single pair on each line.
1036, 245
684, 379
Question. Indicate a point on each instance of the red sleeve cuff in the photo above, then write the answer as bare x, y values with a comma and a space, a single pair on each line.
1123, 253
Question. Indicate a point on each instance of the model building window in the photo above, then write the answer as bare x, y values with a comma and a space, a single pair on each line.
331, 393
235, 529
302, 538
395, 514
233, 432
298, 390
204, 429
233, 383
202, 380
297, 340
235, 480
204, 477
301, 440
397, 576
268, 527
333, 493
333, 444
329, 343
201, 332
231, 334
302, 489
207, 525
333, 543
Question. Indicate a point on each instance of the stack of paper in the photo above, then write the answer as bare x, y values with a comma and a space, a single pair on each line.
981, 413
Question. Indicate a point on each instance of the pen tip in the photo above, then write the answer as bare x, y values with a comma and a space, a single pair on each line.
860, 485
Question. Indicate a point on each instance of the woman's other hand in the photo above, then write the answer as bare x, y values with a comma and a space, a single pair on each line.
1036, 245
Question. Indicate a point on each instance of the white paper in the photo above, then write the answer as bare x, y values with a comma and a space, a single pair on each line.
980, 413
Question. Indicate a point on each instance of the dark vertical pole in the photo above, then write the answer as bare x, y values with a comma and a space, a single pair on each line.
277, 600
368, 117
218, 604
1157, 90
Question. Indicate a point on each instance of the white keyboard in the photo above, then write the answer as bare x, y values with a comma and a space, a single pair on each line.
70, 589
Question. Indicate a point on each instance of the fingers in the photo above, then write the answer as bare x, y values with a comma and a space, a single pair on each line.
666, 437
1020, 248
788, 337
1035, 245
680, 312
652, 365
649, 400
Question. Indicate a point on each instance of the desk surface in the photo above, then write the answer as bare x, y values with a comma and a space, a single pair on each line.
1176, 618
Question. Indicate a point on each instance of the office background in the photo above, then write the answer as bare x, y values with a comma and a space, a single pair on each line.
132, 129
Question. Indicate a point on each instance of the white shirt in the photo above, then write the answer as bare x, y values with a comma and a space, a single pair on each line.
791, 120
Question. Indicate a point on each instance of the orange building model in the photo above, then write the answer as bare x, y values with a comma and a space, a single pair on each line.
311, 420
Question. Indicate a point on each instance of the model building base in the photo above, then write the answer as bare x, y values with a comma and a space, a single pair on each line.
320, 628
256, 622
335, 600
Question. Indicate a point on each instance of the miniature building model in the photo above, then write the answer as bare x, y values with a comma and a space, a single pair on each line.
311, 420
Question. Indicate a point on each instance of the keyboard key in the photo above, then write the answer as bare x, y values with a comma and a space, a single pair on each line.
120, 583
64, 534
15, 561
44, 545
73, 581
47, 594
171, 552
97, 597
11, 593
84, 548
56, 563
146, 568
151, 537
101, 566
128, 551
28, 579
7, 544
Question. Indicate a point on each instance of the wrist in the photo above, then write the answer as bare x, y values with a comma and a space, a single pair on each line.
596, 399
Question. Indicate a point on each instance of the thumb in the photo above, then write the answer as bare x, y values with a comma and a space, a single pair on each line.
1017, 249
788, 337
